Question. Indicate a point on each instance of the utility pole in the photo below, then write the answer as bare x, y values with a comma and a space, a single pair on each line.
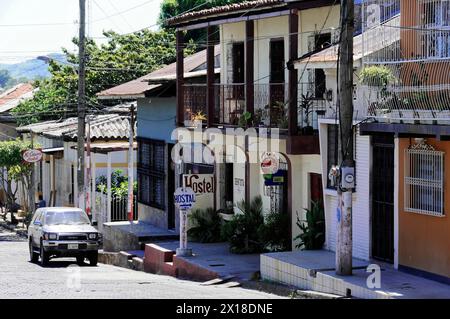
88, 170
131, 166
347, 167
81, 106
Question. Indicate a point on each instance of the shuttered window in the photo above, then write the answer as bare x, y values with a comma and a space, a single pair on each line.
424, 180
151, 172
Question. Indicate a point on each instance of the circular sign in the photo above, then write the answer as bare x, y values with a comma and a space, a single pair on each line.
270, 163
32, 156
184, 198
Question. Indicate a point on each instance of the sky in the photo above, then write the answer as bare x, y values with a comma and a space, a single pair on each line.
29, 28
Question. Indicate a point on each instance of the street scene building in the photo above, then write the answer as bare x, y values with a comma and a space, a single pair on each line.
275, 145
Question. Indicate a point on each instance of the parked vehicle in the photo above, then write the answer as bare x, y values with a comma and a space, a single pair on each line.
62, 232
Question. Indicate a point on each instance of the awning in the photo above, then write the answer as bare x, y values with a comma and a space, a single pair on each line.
105, 148
52, 150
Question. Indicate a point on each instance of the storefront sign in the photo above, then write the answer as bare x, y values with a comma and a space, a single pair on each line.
277, 179
32, 156
200, 183
270, 163
184, 198
203, 185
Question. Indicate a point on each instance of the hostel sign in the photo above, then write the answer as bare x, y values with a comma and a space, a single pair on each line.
32, 156
184, 198
203, 185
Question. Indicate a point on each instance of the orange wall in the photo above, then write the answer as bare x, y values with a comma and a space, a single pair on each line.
424, 241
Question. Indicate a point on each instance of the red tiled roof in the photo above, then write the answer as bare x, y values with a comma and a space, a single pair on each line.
234, 7
11, 98
138, 87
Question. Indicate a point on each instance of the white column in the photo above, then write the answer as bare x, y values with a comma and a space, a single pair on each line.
183, 250
396, 202
108, 186
52, 181
75, 184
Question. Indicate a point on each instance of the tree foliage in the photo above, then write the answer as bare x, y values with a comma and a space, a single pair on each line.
121, 59
15, 171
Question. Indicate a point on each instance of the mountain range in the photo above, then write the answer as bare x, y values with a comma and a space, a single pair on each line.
32, 69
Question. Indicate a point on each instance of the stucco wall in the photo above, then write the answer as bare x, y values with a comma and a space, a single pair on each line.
424, 241
156, 118
310, 21
361, 197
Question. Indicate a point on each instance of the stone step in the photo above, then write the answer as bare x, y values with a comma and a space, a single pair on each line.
217, 281
231, 284
312, 294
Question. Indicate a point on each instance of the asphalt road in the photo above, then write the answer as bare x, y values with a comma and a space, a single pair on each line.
19, 278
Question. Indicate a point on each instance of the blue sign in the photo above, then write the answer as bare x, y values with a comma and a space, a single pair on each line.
277, 179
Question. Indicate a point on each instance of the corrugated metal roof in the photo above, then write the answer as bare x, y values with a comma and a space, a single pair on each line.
103, 127
225, 9
138, 87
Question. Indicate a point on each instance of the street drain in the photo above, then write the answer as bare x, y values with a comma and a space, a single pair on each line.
217, 265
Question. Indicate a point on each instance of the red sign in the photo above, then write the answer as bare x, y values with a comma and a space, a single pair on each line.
32, 156
270, 163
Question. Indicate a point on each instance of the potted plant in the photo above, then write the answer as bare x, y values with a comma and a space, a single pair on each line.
312, 236
196, 120
306, 105
244, 119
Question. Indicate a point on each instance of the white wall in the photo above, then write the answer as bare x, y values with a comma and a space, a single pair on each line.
361, 198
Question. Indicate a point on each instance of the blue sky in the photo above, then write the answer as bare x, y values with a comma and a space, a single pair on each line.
23, 35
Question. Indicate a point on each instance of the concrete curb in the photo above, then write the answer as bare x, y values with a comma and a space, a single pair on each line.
19, 231
269, 287
121, 259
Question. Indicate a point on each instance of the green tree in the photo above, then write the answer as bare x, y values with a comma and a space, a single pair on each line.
15, 172
121, 59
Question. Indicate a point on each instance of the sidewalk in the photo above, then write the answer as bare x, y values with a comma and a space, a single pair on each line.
315, 270
18, 228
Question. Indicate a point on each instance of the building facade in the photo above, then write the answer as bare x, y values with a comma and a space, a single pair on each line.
262, 103
407, 102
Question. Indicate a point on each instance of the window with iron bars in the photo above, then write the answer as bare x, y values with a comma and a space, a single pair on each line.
151, 172
435, 17
424, 180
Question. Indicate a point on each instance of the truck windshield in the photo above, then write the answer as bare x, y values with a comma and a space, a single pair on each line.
66, 218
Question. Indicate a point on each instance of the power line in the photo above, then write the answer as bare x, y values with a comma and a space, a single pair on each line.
121, 12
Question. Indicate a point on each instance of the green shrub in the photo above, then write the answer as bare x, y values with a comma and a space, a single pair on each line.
206, 226
312, 235
242, 230
274, 233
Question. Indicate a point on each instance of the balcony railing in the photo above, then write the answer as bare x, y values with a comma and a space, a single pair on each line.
194, 100
270, 104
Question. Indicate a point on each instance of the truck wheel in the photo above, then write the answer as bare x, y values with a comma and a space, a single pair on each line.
80, 260
34, 257
45, 258
93, 258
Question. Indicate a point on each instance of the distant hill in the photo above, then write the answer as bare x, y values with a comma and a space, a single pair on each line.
31, 69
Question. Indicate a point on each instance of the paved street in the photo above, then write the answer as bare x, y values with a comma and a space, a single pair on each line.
64, 279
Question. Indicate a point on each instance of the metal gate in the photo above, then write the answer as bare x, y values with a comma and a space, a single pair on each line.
383, 198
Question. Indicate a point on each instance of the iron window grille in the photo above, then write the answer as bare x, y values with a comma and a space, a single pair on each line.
424, 180
151, 173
